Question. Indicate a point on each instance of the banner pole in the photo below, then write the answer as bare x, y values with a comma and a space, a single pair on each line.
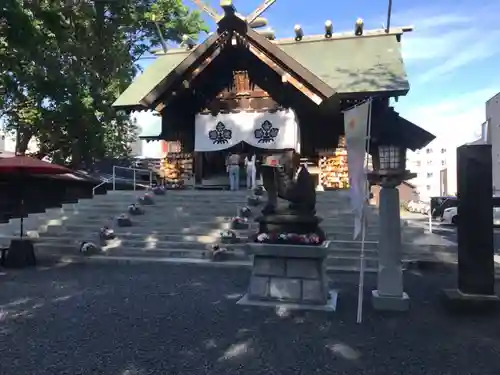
361, 286
359, 317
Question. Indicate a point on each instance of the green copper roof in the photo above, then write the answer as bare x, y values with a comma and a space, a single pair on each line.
147, 80
351, 65
150, 127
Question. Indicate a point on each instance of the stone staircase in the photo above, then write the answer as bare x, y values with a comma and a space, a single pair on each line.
184, 225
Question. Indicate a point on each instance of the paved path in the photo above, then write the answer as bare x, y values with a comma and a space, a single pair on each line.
158, 319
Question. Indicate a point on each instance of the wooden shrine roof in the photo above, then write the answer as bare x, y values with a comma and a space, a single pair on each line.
350, 66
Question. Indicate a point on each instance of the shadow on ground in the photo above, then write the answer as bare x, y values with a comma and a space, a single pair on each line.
158, 319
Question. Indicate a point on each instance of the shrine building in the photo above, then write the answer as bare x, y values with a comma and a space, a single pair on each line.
241, 90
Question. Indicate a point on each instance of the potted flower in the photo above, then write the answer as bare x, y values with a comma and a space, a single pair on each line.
89, 248
245, 212
262, 238
239, 223
289, 238
254, 200
146, 200
218, 253
135, 210
124, 221
159, 190
258, 191
228, 237
106, 233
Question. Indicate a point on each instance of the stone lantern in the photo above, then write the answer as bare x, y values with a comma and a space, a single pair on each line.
389, 171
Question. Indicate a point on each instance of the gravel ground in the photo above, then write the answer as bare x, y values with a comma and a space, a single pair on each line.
160, 319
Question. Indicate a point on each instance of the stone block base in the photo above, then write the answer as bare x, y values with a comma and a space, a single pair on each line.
331, 305
20, 254
297, 276
459, 302
390, 303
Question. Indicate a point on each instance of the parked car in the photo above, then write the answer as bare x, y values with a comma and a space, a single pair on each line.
418, 206
450, 216
439, 204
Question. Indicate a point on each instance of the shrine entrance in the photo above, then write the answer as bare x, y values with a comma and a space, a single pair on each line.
214, 163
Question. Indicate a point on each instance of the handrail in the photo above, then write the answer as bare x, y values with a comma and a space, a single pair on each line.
104, 181
115, 167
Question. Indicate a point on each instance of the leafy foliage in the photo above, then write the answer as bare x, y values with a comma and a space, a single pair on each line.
64, 62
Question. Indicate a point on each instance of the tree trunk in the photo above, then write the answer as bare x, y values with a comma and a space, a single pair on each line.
23, 138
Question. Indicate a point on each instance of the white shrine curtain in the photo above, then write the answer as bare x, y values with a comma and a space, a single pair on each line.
275, 131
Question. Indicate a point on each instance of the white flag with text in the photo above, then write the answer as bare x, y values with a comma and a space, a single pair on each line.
356, 124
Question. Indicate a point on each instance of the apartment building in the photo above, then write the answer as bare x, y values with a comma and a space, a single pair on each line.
490, 133
431, 166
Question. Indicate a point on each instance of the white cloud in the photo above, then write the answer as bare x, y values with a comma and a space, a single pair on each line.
449, 40
454, 121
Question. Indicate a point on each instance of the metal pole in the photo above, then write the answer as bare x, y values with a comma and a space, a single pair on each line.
114, 179
389, 11
430, 221
150, 179
134, 179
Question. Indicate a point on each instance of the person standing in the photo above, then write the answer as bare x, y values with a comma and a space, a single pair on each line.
250, 164
233, 169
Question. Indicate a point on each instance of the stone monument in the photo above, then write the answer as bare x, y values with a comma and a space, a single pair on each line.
289, 251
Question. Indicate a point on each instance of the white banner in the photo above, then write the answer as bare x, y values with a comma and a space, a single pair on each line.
276, 131
356, 135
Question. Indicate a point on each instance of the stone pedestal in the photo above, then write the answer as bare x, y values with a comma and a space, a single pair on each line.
292, 275
20, 254
389, 294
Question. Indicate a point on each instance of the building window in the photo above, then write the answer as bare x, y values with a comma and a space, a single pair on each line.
443, 151
429, 162
428, 150
443, 162
428, 187
429, 175
418, 163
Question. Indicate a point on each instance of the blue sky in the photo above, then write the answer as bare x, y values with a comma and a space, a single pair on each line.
452, 57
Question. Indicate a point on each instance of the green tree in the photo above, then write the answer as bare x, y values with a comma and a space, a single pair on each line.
61, 68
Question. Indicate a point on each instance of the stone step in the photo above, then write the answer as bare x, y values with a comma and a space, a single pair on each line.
321, 209
410, 250
73, 249
188, 232
185, 242
184, 218
210, 193
161, 214
351, 262
345, 262
333, 231
192, 200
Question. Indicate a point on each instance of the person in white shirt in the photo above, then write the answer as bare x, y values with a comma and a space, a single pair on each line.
251, 171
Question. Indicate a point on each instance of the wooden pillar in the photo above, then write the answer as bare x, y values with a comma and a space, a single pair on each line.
198, 167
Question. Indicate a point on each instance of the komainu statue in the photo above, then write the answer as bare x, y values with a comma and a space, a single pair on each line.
299, 216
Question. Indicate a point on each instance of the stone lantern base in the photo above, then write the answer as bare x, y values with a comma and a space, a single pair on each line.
291, 276
390, 302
